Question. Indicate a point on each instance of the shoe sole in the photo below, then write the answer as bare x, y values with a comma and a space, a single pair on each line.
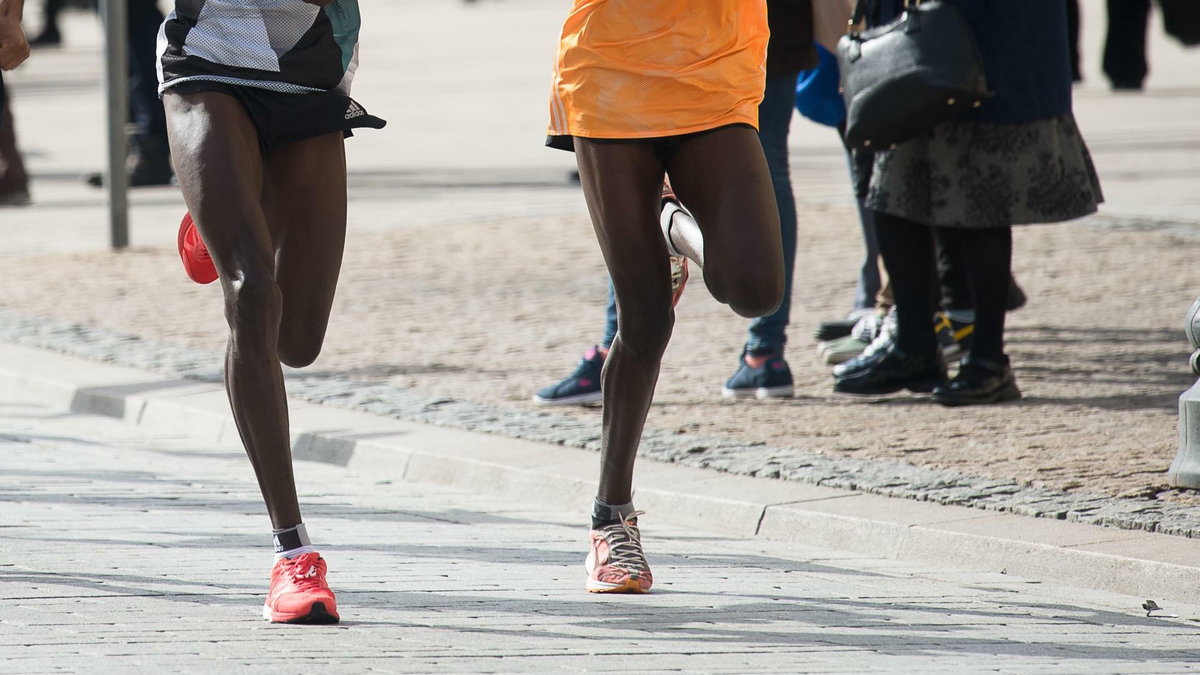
317, 614
1009, 393
833, 330
632, 586
837, 358
16, 200
187, 266
579, 399
761, 393
919, 387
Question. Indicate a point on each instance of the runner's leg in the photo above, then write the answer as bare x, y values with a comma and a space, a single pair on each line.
304, 198
622, 183
736, 217
220, 169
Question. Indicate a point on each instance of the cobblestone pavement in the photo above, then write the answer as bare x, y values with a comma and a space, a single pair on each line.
131, 552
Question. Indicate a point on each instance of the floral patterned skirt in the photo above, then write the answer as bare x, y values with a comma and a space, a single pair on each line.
984, 174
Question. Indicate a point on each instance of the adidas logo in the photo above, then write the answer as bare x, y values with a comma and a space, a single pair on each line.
355, 110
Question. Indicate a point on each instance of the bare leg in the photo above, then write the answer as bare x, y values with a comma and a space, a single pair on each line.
237, 199
736, 239
738, 228
305, 202
623, 184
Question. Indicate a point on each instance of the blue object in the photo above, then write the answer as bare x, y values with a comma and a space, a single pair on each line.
817, 95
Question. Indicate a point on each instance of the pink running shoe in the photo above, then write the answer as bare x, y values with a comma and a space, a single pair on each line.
299, 593
196, 262
616, 563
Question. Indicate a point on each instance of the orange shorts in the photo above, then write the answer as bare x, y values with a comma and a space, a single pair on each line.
653, 68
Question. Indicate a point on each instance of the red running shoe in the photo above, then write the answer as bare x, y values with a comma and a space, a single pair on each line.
196, 262
299, 593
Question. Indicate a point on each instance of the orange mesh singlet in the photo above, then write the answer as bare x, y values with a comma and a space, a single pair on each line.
652, 68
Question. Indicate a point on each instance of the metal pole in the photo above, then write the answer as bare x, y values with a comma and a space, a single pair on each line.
116, 85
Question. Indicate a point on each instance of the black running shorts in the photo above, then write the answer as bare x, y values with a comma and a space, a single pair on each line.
283, 118
664, 146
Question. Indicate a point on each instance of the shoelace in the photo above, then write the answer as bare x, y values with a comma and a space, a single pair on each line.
305, 578
867, 327
625, 544
887, 329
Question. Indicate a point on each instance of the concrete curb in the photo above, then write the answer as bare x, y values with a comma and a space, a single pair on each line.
1136, 563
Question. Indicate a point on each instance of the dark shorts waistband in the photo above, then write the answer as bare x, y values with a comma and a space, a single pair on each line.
283, 118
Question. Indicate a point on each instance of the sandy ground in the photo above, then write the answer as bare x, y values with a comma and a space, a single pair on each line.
491, 311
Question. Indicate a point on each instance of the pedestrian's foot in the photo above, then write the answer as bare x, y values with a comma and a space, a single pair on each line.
770, 378
616, 563
839, 328
954, 337
197, 263
979, 382
871, 337
1126, 85
147, 169
15, 197
893, 371
581, 386
299, 593
49, 37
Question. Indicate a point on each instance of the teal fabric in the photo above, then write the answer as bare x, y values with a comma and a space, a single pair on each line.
347, 21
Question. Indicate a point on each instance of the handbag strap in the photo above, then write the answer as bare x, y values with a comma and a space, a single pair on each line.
860, 13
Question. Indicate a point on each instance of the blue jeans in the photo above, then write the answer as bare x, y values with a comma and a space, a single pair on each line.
869, 281
767, 334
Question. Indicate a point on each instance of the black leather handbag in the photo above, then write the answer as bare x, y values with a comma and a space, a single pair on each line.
901, 79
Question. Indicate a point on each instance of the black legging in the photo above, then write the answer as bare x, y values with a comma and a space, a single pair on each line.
1125, 44
907, 249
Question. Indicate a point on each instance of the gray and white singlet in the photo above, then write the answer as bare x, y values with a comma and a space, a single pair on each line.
288, 46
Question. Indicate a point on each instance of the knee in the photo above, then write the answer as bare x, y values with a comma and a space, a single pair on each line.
751, 292
253, 304
647, 335
298, 353
757, 295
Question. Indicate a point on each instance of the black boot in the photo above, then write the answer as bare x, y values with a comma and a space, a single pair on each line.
894, 371
979, 382
148, 164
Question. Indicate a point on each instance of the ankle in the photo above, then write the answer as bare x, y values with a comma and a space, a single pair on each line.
756, 361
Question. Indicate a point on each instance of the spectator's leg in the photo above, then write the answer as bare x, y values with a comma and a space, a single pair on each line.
1125, 45
1073, 26
768, 334
987, 254
14, 181
907, 250
152, 164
